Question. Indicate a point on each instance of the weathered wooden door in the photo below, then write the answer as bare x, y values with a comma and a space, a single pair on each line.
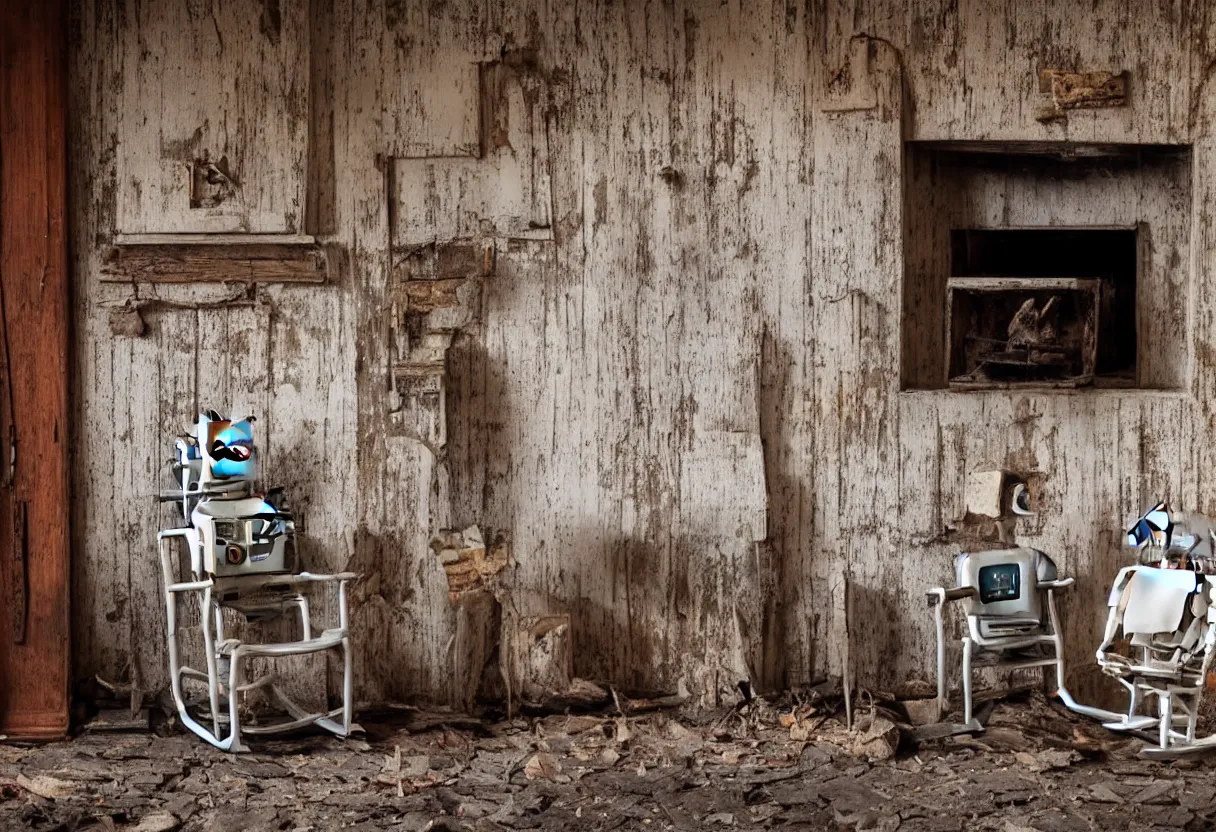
34, 432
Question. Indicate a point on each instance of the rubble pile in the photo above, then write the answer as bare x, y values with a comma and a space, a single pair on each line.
789, 764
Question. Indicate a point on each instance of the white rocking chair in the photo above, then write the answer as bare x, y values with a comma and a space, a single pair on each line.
1009, 598
1169, 619
240, 558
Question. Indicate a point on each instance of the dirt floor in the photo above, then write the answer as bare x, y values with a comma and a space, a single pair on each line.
758, 766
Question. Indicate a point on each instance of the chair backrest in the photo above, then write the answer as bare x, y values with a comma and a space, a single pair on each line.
1165, 610
1006, 582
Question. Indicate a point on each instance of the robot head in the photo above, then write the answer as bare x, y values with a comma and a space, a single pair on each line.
232, 450
1154, 528
227, 449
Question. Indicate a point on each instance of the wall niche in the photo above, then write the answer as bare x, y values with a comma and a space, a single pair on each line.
1037, 266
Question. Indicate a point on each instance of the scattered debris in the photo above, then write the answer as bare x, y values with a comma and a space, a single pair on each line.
1047, 759
119, 719
1035, 768
879, 740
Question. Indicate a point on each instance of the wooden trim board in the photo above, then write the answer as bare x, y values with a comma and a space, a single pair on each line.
218, 258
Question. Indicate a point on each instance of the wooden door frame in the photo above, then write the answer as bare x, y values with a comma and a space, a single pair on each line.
35, 644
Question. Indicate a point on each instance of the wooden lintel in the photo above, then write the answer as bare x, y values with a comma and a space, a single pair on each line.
190, 259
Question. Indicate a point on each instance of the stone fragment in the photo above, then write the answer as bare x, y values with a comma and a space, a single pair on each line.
879, 741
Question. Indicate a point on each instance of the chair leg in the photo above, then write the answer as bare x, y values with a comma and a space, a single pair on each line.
234, 684
967, 680
1135, 700
1192, 716
1165, 705
347, 687
940, 626
213, 679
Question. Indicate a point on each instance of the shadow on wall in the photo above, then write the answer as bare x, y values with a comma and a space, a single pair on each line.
787, 474
651, 604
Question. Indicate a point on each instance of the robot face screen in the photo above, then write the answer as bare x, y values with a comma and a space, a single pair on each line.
1001, 582
236, 453
230, 445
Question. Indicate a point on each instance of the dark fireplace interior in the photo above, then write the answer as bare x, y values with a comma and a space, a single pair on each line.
1052, 306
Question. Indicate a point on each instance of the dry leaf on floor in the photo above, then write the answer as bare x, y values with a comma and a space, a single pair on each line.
732, 756
156, 822
542, 766
622, 733
676, 731
46, 786
1047, 759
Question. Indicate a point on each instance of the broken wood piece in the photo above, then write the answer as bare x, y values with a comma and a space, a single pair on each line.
940, 730
47, 787
456, 259
998, 693
1080, 90
922, 711
982, 493
655, 703
428, 720
429, 295
581, 695
1047, 759
468, 562
538, 667
538, 656
1074, 90
478, 631
118, 719
879, 741
155, 822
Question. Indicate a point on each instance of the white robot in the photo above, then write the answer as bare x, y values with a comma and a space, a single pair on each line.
1160, 633
242, 558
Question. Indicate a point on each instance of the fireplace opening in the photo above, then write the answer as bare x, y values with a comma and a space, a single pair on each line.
1042, 307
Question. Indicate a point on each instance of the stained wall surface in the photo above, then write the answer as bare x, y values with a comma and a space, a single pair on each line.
625, 282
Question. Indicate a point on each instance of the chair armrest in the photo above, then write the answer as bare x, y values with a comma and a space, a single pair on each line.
1058, 583
1120, 584
312, 578
939, 595
293, 579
